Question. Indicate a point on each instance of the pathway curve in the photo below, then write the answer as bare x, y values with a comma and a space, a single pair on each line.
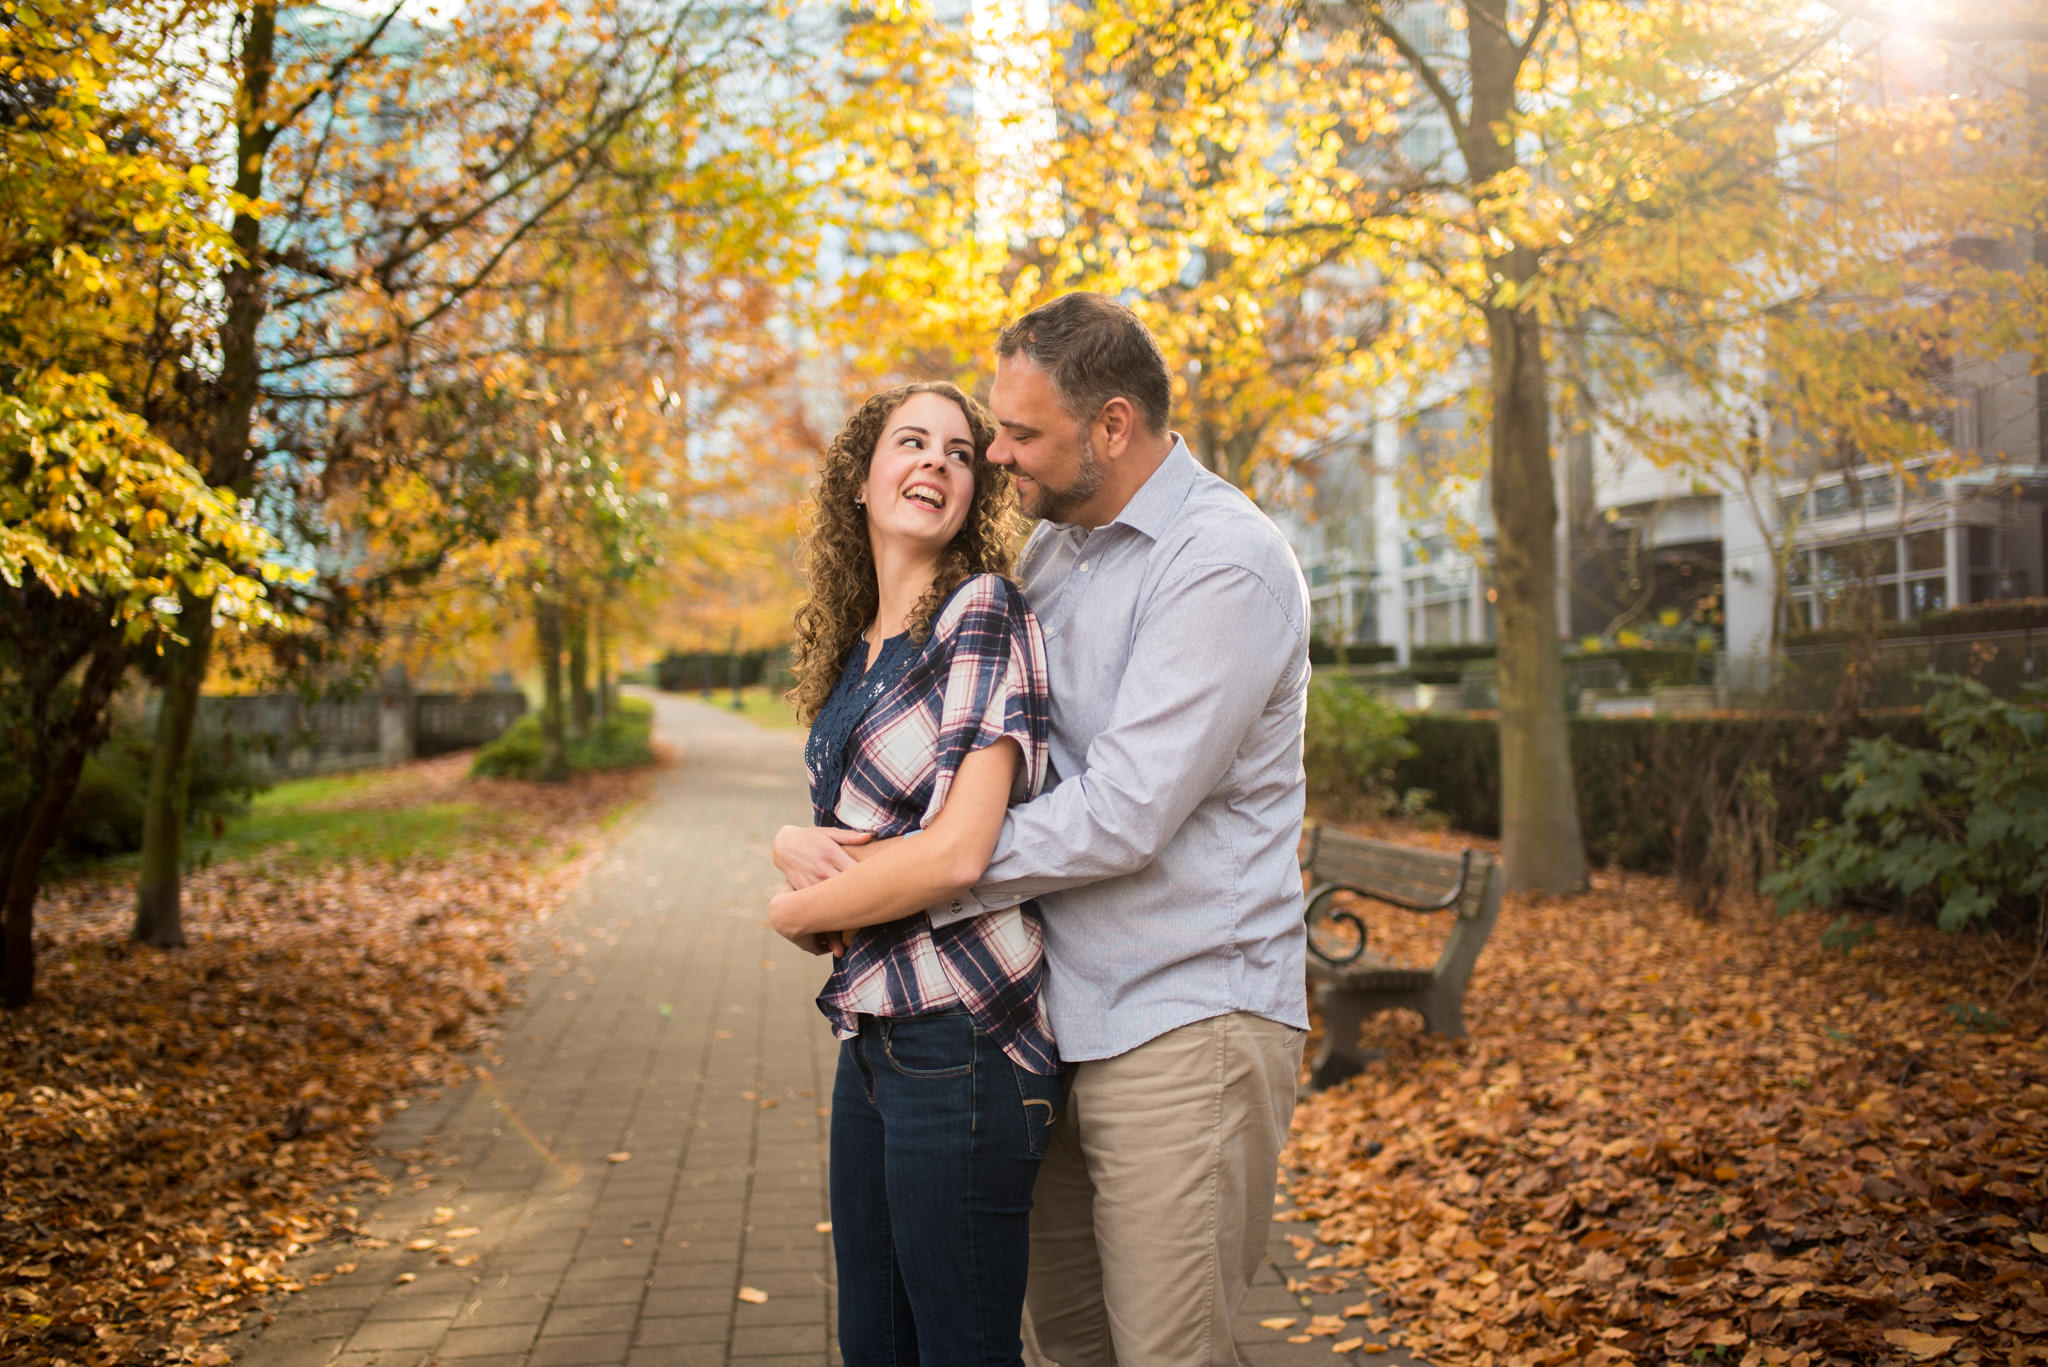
651, 1139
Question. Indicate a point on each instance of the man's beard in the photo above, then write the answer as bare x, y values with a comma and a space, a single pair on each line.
1057, 505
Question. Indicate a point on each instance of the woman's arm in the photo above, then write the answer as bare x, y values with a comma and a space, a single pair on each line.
903, 876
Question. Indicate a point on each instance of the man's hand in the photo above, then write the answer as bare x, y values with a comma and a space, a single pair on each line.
831, 942
805, 855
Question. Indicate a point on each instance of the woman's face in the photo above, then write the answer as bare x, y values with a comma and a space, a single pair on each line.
921, 479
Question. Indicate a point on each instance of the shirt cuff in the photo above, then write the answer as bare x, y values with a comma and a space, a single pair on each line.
965, 907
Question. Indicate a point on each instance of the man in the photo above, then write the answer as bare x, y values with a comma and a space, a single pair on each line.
1176, 633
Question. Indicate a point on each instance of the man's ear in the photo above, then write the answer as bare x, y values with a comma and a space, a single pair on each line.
1115, 423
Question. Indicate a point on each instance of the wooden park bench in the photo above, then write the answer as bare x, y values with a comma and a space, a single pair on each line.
1353, 982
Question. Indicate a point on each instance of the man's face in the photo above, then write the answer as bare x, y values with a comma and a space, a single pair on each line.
1054, 460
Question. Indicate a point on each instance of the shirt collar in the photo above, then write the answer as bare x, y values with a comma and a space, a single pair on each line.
1151, 510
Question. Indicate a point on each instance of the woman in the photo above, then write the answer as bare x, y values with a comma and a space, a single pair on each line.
922, 673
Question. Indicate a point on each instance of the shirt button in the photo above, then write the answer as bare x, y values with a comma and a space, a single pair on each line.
956, 904
1084, 567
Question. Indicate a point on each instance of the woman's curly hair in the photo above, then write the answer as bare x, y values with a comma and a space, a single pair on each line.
839, 562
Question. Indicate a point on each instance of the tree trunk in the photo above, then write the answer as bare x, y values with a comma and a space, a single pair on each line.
606, 700
159, 908
158, 915
1542, 848
554, 750
576, 624
61, 754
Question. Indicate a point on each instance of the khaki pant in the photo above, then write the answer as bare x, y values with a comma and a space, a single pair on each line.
1154, 1202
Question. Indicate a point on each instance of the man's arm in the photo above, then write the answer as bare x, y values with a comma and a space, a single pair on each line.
1209, 651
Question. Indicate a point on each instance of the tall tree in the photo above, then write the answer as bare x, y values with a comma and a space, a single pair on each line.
385, 175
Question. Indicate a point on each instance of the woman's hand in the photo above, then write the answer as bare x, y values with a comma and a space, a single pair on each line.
805, 855
782, 914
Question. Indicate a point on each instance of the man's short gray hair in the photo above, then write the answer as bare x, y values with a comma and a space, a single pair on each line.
1094, 350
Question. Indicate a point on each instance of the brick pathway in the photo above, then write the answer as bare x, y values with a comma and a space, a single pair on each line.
651, 1140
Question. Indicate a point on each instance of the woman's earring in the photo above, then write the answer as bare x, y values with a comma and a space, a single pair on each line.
860, 500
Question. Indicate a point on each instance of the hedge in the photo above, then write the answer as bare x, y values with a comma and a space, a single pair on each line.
1647, 667
1708, 799
1973, 619
1321, 652
1454, 654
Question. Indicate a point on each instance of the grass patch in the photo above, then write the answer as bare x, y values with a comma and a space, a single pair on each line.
314, 834
762, 706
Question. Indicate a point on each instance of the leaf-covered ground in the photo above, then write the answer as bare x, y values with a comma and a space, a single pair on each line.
173, 1126
1671, 1139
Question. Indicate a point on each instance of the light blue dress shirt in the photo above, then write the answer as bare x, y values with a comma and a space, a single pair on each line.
1165, 857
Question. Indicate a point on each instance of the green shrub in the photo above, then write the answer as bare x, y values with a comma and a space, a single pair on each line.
1353, 742
1959, 827
514, 754
105, 813
622, 740
1650, 666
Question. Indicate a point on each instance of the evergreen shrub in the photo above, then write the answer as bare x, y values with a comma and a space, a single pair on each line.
1650, 666
1353, 742
1972, 619
105, 814
1957, 828
623, 740
1709, 799
1322, 652
1445, 664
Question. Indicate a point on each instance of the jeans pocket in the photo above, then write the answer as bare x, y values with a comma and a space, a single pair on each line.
1040, 1096
930, 1046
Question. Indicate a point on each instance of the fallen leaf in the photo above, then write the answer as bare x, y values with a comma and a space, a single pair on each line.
466, 1232
420, 1245
823, 1227
1280, 1323
620, 1157
753, 1295
1689, 1138
161, 1109
1921, 1345
402, 1278
1348, 1345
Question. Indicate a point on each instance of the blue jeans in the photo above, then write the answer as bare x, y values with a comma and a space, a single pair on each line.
936, 1140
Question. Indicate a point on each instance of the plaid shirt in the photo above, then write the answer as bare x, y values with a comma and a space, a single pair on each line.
882, 755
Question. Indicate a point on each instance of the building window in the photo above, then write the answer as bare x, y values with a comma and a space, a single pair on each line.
1907, 575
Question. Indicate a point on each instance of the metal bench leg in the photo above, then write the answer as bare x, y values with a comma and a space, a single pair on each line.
1340, 1057
1443, 1011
